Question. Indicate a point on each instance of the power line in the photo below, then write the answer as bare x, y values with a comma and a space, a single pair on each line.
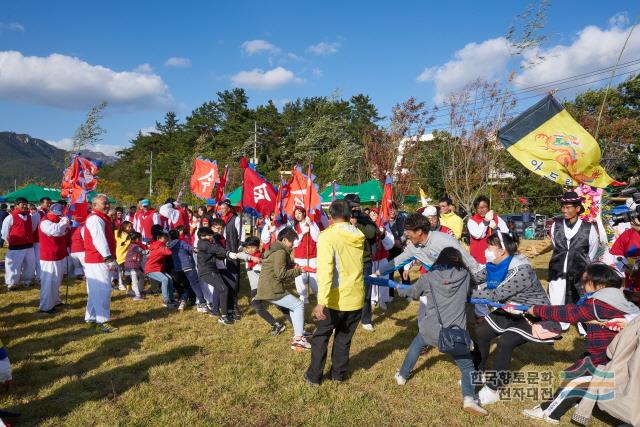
433, 126
548, 85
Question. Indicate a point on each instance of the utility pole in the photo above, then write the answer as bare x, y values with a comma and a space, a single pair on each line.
151, 173
255, 142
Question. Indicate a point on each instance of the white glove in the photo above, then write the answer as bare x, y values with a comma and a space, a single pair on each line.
112, 265
232, 255
65, 220
492, 224
489, 216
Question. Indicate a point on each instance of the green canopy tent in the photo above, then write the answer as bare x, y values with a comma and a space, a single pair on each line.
33, 193
370, 192
235, 197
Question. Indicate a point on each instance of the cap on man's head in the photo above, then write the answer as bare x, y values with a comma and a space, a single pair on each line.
352, 198
145, 202
57, 209
430, 211
570, 198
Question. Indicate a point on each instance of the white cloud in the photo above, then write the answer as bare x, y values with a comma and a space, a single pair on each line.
619, 20
592, 49
265, 80
144, 69
148, 130
256, 47
323, 48
68, 82
317, 72
176, 61
476, 60
11, 26
67, 144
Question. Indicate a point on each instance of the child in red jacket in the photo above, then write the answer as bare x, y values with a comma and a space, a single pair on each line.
154, 268
603, 301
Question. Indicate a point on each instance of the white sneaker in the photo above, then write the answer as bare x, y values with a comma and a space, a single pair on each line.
471, 406
488, 396
400, 379
539, 414
368, 327
300, 344
183, 305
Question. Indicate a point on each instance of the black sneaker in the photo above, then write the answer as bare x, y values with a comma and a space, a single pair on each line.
277, 329
308, 381
50, 311
235, 315
60, 304
225, 320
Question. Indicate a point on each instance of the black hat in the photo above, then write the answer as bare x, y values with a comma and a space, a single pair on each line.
570, 197
352, 198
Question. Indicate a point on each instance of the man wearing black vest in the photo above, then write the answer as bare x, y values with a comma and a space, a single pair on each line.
575, 245
233, 237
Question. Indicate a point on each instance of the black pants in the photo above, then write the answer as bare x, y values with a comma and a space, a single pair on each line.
181, 285
343, 324
221, 290
507, 342
580, 374
366, 310
259, 307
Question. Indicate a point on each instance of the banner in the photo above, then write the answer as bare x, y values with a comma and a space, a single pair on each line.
387, 200
258, 195
548, 141
301, 193
204, 177
79, 179
221, 184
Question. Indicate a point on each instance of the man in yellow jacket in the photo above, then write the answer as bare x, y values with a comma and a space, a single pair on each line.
448, 217
340, 293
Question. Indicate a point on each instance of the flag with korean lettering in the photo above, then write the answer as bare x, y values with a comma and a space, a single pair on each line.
548, 141
302, 192
204, 177
258, 195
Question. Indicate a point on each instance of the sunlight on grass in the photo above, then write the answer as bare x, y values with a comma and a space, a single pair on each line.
170, 368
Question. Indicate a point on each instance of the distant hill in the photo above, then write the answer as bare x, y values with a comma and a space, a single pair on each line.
26, 159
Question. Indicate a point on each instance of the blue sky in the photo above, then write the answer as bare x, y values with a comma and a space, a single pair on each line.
146, 58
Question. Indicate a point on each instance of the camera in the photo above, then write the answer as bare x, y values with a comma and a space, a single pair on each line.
634, 213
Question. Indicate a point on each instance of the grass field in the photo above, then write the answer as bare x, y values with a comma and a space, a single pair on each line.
170, 368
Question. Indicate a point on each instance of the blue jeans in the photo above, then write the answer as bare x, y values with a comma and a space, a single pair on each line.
464, 362
296, 311
166, 284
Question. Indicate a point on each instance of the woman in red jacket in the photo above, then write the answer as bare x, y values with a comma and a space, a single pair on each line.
154, 268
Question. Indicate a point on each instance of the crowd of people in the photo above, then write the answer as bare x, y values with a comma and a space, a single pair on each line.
194, 258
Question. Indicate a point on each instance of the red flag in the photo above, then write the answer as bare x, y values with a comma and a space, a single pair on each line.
283, 190
221, 185
301, 193
257, 193
79, 179
387, 200
204, 177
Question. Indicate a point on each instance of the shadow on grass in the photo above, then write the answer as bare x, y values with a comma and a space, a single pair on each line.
50, 371
75, 329
106, 385
368, 357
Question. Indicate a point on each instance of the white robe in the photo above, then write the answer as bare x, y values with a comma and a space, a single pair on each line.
52, 272
97, 274
20, 264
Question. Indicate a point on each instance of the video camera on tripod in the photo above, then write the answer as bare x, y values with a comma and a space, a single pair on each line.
634, 209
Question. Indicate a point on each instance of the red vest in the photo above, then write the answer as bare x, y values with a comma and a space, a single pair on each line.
183, 218
300, 251
478, 246
21, 234
146, 222
91, 254
52, 248
76, 241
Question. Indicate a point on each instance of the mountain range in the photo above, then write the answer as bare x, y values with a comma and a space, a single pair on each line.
26, 160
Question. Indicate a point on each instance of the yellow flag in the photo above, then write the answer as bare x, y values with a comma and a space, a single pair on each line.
549, 142
424, 200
